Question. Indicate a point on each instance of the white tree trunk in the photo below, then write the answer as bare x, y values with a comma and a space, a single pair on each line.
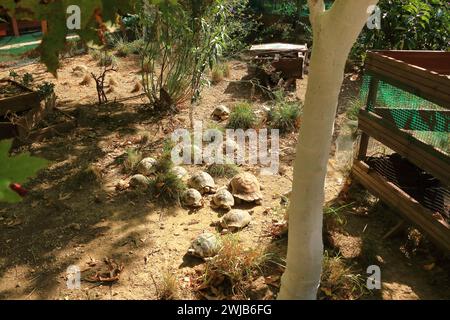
335, 32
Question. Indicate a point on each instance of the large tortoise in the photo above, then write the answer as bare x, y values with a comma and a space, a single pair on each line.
245, 186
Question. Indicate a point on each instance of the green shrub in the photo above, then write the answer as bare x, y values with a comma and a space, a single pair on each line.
226, 170
242, 117
137, 46
132, 159
407, 25
107, 59
95, 54
353, 107
167, 188
284, 116
123, 48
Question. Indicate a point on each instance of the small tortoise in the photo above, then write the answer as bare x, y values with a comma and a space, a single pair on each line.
139, 181
206, 245
203, 182
192, 198
235, 220
223, 199
146, 166
180, 172
245, 186
221, 113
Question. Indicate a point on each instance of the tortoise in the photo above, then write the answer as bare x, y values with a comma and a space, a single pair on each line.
235, 220
146, 166
139, 181
223, 199
203, 182
192, 198
245, 186
221, 112
205, 246
180, 172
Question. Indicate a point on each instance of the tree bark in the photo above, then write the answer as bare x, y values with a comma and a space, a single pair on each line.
334, 33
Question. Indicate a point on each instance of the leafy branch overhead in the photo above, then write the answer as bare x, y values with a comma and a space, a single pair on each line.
16, 169
95, 15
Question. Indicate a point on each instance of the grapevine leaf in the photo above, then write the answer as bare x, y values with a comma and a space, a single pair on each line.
16, 169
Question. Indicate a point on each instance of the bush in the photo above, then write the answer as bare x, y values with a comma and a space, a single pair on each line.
107, 59
353, 107
407, 25
219, 72
241, 25
226, 170
132, 159
242, 117
284, 116
234, 266
339, 281
190, 38
167, 188
123, 48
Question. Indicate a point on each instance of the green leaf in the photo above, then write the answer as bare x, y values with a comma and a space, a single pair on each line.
17, 169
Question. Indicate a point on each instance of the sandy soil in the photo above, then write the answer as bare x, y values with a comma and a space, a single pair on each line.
71, 219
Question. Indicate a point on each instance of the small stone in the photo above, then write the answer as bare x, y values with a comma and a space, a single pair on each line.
75, 226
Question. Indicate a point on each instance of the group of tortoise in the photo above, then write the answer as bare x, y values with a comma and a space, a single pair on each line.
243, 187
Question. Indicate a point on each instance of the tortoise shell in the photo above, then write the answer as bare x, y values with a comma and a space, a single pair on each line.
203, 182
236, 219
223, 199
205, 245
245, 186
192, 198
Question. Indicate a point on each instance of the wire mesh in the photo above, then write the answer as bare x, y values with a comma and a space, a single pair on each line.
418, 184
422, 119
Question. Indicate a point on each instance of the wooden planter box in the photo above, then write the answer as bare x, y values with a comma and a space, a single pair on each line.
22, 102
425, 74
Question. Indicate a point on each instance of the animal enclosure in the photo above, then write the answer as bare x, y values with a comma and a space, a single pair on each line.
404, 149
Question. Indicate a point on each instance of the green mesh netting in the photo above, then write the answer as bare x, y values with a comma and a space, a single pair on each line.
424, 120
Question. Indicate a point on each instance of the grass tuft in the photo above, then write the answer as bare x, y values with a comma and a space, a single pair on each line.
132, 159
339, 281
284, 116
234, 266
225, 170
353, 107
242, 117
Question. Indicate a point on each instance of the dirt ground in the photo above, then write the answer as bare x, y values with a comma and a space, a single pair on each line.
72, 218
